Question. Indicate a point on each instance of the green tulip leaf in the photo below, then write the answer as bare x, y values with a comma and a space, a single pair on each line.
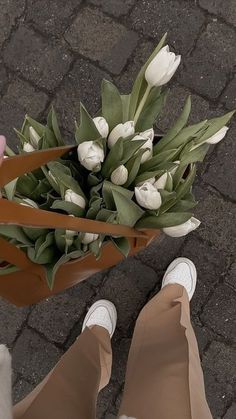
68, 207
153, 163
107, 193
53, 125
169, 219
150, 112
122, 244
128, 212
44, 243
133, 166
52, 268
177, 127
14, 232
125, 107
112, 107
214, 125
87, 130
39, 128
113, 158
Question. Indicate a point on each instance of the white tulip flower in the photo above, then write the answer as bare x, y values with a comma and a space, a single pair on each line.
218, 136
148, 196
29, 203
149, 134
120, 131
102, 126
71, 196
161, 182
182, 229
120, 175
34, 137
162, 67
28, 148
148, 144
91, 155
89, 238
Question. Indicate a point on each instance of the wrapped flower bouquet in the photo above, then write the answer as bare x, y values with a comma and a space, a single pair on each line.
119, 173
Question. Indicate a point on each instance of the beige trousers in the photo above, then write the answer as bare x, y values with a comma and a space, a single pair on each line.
164, 378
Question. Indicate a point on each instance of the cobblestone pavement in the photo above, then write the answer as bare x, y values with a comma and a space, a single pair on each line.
57, 52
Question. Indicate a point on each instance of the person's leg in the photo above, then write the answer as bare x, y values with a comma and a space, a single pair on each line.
164, 378
70, 390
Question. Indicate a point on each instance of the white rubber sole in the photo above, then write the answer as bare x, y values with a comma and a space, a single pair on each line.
193, 273
111, 311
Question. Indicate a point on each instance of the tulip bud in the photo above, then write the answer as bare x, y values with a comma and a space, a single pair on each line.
120, 131
102, 126
148, 196
120, 175
148, 144
29, 203
75, 198
34, 137
161, 182
89, 238
218, 136
28, 148
149, 134
91, 155
70, 234
182, 229
162, 67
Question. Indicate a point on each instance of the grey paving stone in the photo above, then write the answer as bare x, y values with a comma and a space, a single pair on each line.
160, 253
55, 316
222, 168
225, 10
207, 69
127, 286
218, 220
139, 57
33, 356
220, 376
114, 7
3, 76
155, 18
231, 277
211, 266
11, 321
203, 337
44, 64
21, 389
51, 17
106, 397
81, 84
19, 99
219, 313
8, 17
120, 357
109, 42
229, 96
231, 412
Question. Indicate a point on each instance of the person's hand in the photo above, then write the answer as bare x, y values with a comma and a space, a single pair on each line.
2, 147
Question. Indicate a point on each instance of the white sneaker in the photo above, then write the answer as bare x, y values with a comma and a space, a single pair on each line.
102, 313
181, 271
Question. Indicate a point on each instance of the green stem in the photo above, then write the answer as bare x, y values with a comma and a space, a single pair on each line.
142, 103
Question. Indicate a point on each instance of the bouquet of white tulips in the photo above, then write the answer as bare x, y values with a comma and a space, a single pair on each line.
120, 172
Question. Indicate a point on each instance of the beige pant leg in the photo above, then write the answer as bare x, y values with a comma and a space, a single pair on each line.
164, 378
70, 390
